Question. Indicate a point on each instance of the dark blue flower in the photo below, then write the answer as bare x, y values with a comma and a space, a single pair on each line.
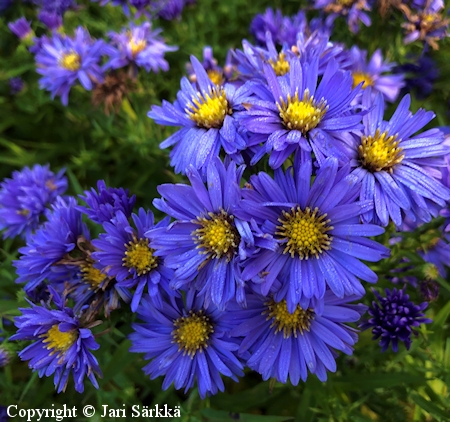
126, 254
206, 114
271, 21
46, 252
206, 244
284, 344
393, 318
16, 85
296, 111
168, 9
186, 343
392, 164
61, 344
321, 240
104, 203
26, 197
62, 60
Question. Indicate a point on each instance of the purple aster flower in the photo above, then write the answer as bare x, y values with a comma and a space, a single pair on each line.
393, 318
4, 5
25, 198
429, 290
103, 204
428, 24
420, 75
271, 20
216, 73
168, 9
126, 254
295, 111
318, 230
16, 85
206, 114
61, 344
437, 252
43, 256
51, 19
139, 46
63, 60
21, 27
391, 163
370, 73
353, 10
286, 344
187, 344
206, 244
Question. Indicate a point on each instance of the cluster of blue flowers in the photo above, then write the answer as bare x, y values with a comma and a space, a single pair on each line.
248, 268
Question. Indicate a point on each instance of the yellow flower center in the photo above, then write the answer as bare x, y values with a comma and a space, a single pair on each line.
380, 152
91, 275
359, 77
290, 324
70, 61
281, 66
192, 332
215, 76
217, 236
139, 256
305, 231
23, 212
136, 46
302, 115
345, 3
209, 109
59, 341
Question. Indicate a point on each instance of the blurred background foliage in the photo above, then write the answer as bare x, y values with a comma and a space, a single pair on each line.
123, 149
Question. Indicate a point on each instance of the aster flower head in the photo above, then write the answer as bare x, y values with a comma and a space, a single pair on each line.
391, 162
168, 9
43, 256
284, 344
206, 244
138, 46
16, 85
371, 74
353, 10
321, 240
61, 344
187, 343
215, 72
123, 252
393, 318
25, 198
62, 60
104, 203
295, 111
22, 28
271, 20
206, 114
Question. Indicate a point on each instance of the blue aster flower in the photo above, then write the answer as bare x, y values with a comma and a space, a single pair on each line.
16, 85
138, 46
296, 111
371, 73
206, 244
284, 344
168, 9
206, 114
321, 240
61, 344
353, 10
46, 250
62, 60
271, 21
393, 318
391, 162
186, 343
104, 203
21, 28
127, 255
25, 198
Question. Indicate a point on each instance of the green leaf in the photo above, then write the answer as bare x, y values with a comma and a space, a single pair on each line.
213, 415
430, 407
371, 381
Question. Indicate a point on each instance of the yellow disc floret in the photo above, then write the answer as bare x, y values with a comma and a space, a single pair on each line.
139, 256
217, 236
208, 109
359, 77
136, 46
192, 333
216, 76
91, 275
345, 3
283, 320
280, 66
70, 61
302, 115
58, 340
305, 231
380, 152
